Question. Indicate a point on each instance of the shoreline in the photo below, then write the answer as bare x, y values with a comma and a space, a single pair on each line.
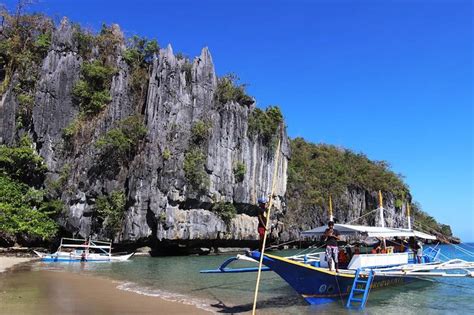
8, 262
23, 291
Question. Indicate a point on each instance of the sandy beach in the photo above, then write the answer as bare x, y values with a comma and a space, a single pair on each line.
8, 262
55, 292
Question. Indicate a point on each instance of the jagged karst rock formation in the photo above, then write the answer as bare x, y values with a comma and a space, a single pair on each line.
160, 203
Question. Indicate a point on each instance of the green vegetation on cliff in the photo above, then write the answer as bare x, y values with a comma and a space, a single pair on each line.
239, 171
265, 124
93, 95
199, 132
140, 51
25, 209
110, 210
102, 46
229, 90
322, 169
194, 162
119, 143
139, 55
24, 42
92, 90
22, 163
315, 171
194, 158
225, 210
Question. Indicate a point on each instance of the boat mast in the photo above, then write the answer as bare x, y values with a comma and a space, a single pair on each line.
331, 218
408, 216
382, 219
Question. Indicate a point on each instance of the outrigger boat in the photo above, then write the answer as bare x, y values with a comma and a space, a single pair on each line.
309, 275
82, 250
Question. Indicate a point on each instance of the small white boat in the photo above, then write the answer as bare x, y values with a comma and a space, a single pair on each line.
83, 250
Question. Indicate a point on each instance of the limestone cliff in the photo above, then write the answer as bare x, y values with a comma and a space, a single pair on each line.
161, 205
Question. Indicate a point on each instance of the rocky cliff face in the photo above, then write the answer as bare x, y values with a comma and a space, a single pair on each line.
161, 206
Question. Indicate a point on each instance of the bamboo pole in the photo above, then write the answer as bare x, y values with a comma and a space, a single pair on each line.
260, 263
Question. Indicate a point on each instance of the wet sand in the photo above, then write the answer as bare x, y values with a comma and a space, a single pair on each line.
8, 262
54, 292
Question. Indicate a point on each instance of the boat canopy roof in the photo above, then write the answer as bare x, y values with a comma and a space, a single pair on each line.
370, 231
84, 243
418, 234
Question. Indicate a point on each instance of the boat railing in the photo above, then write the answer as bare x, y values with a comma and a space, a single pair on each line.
431, 253
86, 244
102, 249
83, 240
306, 258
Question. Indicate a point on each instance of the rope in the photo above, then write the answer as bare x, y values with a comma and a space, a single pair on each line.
311, 249
356, 219
282, 244
447, 257
260, 263
463, 250
466, 244
339, 289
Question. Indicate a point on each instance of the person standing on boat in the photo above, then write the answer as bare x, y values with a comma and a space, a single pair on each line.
331, 236
419, 252
262, 220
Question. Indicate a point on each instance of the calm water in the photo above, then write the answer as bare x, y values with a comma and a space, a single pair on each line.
178, 278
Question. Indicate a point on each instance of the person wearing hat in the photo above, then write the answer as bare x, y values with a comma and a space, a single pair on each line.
331, 236
262, 220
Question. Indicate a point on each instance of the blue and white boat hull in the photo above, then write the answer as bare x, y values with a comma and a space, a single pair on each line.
61, 257
319, 285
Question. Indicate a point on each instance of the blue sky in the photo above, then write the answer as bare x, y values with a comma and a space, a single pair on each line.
392, 79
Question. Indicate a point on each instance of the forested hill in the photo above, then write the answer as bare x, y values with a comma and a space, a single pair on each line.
114, 137
316, 171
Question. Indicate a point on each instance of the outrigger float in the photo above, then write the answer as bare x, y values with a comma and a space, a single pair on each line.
83, 250
309, 274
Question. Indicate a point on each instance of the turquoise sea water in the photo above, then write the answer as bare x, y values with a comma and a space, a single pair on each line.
178, 278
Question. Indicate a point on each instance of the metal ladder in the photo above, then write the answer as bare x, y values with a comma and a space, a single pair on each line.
365, 282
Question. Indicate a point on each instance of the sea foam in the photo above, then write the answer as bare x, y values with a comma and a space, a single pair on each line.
166, 295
